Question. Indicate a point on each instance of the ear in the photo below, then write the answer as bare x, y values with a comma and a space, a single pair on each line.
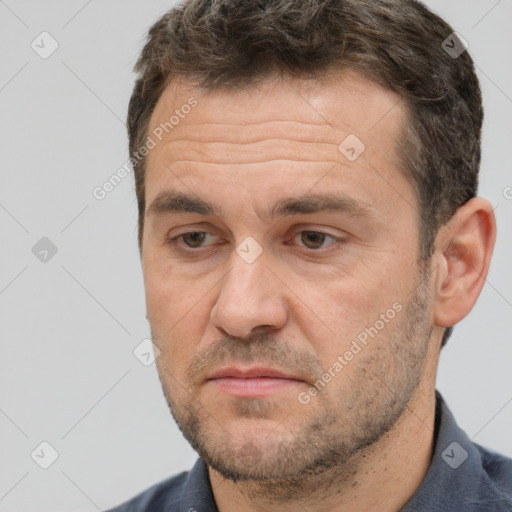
461, 260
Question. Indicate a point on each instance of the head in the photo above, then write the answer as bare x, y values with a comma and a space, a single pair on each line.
306, 176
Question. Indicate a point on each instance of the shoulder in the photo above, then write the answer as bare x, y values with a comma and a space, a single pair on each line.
498, 470
157, 498
463, 475
188, 491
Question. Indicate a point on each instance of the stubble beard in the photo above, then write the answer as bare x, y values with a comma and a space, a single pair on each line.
328, 445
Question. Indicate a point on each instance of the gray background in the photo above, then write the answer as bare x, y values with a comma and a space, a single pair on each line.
68, 326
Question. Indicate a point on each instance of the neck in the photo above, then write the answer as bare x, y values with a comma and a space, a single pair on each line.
397, 462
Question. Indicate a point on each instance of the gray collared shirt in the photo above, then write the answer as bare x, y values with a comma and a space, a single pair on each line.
462, 477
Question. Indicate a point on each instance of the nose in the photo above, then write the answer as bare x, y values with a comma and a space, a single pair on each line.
251, 299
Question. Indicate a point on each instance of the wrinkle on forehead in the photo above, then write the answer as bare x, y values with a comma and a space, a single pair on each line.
286, 131
313, 105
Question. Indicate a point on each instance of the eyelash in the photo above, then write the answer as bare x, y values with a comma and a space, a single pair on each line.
174, 241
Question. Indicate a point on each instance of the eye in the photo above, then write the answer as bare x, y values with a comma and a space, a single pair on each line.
315, 239
192, 239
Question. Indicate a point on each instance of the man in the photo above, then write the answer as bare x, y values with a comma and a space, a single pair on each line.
306, 177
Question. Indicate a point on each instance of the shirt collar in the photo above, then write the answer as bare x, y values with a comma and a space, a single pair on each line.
197, 495
455, 479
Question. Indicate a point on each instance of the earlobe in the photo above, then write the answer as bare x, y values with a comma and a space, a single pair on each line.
463, 251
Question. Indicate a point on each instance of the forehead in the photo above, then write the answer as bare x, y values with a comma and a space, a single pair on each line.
342, 100
285, 130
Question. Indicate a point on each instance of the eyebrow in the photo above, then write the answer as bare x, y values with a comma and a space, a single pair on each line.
168, 202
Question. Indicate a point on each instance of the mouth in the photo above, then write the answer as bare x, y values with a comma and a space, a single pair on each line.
253, 382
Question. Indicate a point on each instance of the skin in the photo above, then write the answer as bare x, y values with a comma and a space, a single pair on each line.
303, 301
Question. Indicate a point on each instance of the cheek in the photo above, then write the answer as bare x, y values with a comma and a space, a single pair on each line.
332, 314
167, 291
178, 310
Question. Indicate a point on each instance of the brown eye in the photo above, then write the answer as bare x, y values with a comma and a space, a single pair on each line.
314, 239
194, 239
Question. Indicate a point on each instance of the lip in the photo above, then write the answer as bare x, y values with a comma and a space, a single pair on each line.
251, 373
257, 381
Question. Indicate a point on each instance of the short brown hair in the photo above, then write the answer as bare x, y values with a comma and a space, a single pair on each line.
395, 43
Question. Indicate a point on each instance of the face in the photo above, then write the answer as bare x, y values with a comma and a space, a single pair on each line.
280, 262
